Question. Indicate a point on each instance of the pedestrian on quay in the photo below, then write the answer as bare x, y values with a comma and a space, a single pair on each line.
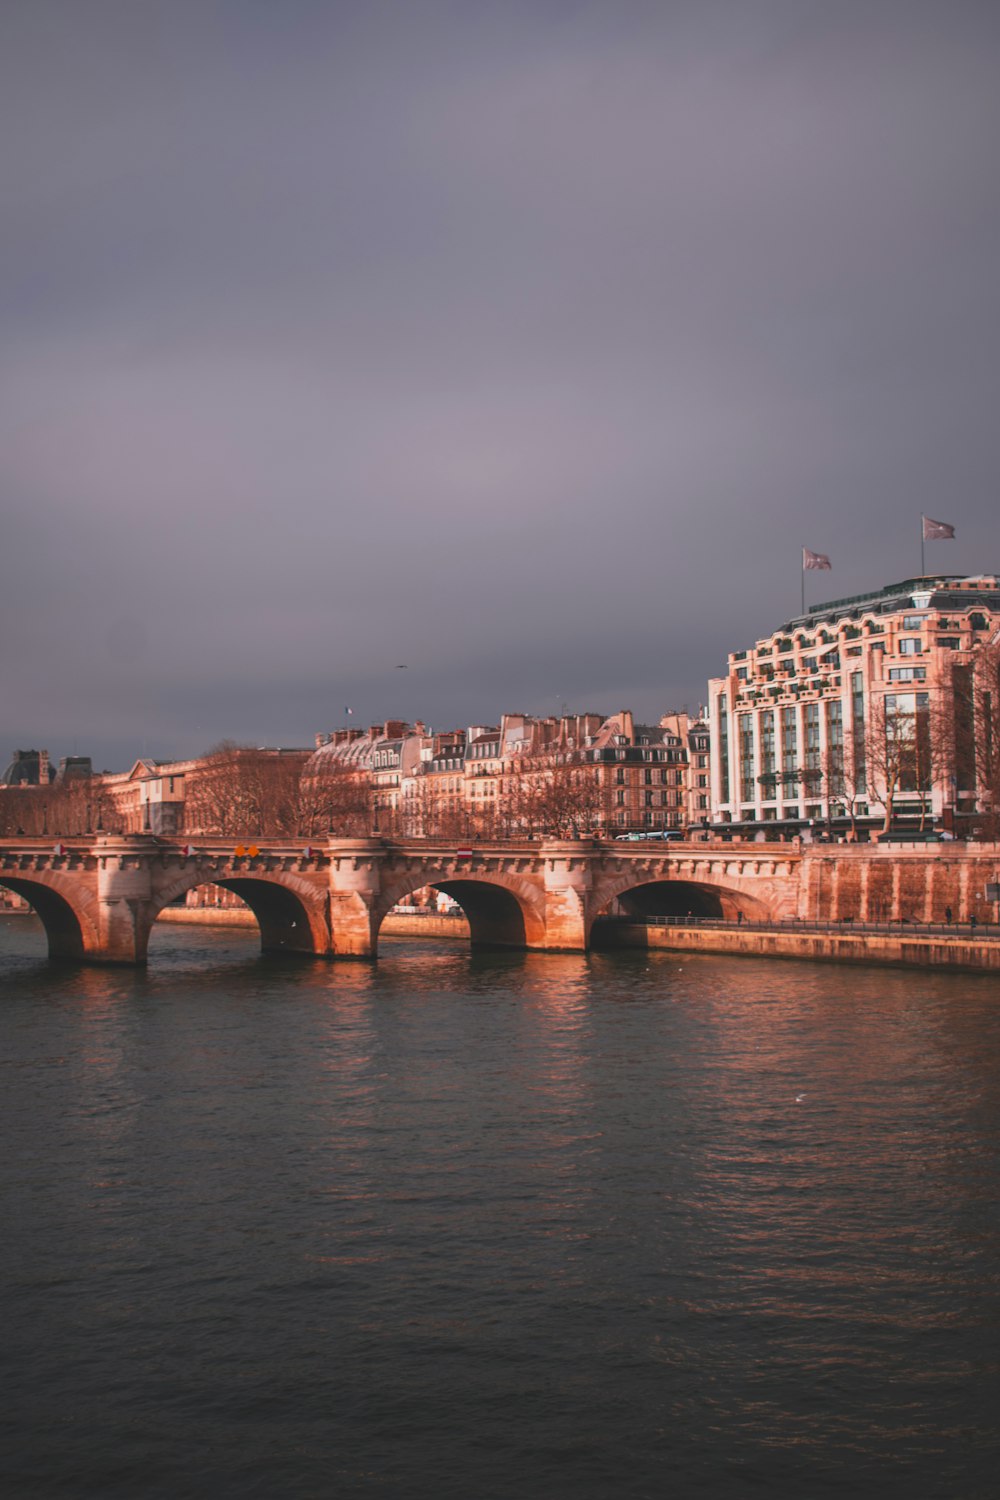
947, 915
972, 923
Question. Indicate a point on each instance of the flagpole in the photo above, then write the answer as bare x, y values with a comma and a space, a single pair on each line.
922, 570
803, 580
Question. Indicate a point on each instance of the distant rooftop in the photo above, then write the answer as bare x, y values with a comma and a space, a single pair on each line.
949, 588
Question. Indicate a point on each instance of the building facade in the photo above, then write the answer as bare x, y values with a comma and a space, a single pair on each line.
574, 773
862, 712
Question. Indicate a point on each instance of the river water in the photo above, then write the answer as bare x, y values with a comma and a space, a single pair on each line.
465, 1225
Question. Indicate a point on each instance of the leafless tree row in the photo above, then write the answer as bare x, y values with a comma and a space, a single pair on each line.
78, 807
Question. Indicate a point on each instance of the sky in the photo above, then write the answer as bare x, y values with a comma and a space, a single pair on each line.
524, 342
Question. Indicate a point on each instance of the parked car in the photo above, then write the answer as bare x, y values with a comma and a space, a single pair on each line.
660, 835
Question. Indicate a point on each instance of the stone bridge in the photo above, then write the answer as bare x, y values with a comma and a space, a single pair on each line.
99, 897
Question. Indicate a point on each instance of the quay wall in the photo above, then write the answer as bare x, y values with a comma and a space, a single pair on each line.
937, 952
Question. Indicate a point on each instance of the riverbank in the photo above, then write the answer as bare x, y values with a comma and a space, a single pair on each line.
396, 924
910, 950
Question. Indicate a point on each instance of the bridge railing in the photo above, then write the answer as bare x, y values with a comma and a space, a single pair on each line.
900, 927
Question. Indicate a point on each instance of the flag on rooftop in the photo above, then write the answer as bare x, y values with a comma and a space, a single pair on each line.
815, 561
348, 710
937, 531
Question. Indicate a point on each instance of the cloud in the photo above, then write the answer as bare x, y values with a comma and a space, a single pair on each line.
535, 339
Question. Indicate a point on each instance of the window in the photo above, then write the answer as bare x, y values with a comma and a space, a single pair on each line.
746, 757
949, 642
742, 673
812, 737
789, 744
620, 799
766, 726
835, 747
910, 648
648, 778
907, 674
702, 803
703, 781
663, 778
723, 749
913, 622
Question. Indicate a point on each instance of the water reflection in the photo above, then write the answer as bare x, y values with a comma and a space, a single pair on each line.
461, 1215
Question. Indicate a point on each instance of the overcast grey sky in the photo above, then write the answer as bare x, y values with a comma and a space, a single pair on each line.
522, 341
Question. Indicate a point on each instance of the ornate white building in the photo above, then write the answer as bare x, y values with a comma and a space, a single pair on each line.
859, 708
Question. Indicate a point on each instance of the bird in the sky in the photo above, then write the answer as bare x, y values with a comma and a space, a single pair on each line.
401, 666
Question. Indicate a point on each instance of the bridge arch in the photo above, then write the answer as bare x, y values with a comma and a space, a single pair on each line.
503, 911
69, 930
670, 896
291, 915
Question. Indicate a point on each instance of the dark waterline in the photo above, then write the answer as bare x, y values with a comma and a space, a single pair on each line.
628, 1225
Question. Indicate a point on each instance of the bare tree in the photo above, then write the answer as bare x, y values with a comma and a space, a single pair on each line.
335, 797
845, 783
553, 795
968, 727
987, 753
243, 791
79, 806
897, 750
23, 810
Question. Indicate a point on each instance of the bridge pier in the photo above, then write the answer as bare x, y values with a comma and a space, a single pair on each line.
355, 885
568, 883
125, 906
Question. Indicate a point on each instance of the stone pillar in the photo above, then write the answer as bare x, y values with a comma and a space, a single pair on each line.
568, 880
833, 899
125, 911
963, 907
805, 904
929, 867
863, 891
355, 882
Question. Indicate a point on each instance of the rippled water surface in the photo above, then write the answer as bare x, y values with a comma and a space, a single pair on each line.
496, 1226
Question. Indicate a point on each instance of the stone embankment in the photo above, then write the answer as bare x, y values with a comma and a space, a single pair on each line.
938, 950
